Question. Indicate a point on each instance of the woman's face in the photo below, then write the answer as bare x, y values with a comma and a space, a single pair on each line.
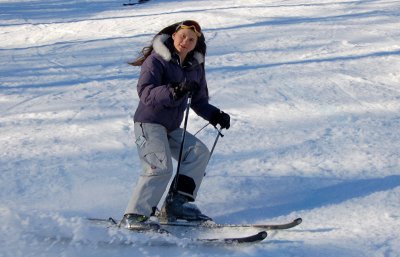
185, 40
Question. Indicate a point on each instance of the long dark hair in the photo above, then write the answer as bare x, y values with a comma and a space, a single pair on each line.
171, 29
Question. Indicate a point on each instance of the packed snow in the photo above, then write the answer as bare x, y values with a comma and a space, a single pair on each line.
313, 90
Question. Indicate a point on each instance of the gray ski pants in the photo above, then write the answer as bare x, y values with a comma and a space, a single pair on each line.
156, 147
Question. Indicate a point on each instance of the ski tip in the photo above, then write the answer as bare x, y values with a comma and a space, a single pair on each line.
298, 221
112, 220
263, 234
135, 3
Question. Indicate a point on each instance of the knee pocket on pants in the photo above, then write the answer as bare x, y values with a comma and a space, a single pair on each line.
154, 157
156, 164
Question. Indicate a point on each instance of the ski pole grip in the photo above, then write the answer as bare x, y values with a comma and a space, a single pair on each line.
219, 131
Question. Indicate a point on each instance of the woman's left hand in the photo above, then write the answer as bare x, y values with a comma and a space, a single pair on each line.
221, 118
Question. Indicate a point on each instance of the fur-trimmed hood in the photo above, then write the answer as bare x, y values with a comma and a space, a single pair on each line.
160, 47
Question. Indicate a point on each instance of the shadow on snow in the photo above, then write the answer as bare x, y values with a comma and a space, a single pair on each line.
314, 198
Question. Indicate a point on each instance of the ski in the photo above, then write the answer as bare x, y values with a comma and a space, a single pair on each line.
258, 237
282, 226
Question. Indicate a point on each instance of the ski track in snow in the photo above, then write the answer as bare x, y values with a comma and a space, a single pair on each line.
312, 88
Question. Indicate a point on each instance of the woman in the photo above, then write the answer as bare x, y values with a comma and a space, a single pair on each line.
172, 68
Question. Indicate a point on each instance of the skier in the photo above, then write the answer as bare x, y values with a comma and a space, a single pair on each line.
172, 69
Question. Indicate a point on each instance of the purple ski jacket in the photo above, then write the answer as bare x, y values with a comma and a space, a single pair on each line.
158, 72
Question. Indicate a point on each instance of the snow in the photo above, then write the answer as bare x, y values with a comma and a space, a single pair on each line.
312, 88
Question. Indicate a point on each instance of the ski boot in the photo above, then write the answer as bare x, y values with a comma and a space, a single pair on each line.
139, 222
177, 207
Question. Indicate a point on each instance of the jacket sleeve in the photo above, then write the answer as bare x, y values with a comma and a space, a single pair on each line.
200, 100
150, 89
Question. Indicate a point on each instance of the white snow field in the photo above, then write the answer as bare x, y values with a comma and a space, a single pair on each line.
313, 90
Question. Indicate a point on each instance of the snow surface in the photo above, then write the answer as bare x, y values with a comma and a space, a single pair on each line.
313, 89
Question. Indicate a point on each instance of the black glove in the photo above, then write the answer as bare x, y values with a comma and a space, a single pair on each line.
181, 89
221, 118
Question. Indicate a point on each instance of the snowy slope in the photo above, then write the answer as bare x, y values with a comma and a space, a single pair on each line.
313, 89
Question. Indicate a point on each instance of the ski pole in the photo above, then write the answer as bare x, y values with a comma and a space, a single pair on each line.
175, 185
215, 142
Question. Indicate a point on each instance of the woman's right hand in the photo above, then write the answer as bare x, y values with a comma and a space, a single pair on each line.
181, 89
